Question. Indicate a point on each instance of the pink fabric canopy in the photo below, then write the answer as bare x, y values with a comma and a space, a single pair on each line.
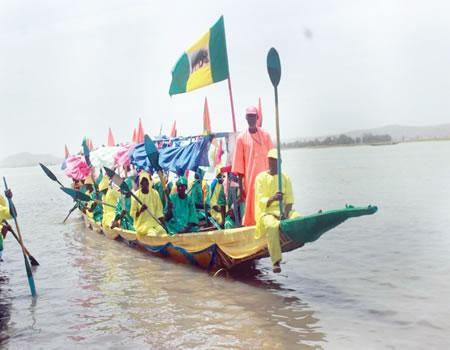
76, 168
121, 157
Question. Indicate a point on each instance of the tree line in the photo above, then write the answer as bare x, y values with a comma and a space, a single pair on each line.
339, 140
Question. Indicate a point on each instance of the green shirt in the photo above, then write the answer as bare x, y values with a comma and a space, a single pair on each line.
183, 213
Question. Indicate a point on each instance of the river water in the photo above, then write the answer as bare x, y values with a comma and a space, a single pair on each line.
375, 282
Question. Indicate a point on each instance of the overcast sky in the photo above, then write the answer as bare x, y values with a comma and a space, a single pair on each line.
74, 68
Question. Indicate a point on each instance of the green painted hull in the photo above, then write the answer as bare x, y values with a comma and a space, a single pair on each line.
309, 228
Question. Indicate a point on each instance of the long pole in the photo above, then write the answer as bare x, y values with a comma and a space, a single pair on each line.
277, 121
231, 103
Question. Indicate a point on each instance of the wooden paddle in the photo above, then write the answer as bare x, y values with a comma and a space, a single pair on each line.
153, 157
119, 182
274, 70
33, 261
13, 212
70, 212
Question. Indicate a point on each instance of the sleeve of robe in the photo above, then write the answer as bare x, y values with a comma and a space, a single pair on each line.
238, 157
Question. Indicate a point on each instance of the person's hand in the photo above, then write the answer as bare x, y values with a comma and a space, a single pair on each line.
143, 208
8, 194
115, 224
170, 205
216, 208
124, 212
276, 197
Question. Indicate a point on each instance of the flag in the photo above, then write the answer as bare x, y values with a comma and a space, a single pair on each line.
204, 63
206, 120
173, 132
66, 152
259, 123
111, 141
91, 145
133, 140
219, 153
140, 133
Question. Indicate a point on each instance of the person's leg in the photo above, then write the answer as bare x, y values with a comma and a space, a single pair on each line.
271, 228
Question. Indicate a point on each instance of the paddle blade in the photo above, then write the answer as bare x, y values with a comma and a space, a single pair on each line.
152, 152
86, 152
274, 66
76, 195
48, 172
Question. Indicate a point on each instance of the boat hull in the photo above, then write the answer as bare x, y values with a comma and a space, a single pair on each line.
226, 249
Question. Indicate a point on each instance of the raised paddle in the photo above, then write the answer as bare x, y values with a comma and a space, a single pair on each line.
153, 157
274, 70
33, 261
80, 196
70, 212
119, 182
49, 173
13, 212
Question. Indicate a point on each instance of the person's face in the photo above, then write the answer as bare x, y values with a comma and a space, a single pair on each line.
273, 165
197, 176
144, 185
181, 189
220, 179
251, 120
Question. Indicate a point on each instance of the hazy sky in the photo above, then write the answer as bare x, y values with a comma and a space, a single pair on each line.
74, 68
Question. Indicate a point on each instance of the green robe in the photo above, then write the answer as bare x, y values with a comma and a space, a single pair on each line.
98, 211
196, 194
183, 213
127, 220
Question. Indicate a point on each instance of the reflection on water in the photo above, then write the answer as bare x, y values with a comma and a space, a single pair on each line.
150, 299
5, 306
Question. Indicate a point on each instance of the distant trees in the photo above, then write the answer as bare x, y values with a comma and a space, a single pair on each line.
339, 140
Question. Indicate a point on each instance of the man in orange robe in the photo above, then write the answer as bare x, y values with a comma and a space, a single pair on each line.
250, 159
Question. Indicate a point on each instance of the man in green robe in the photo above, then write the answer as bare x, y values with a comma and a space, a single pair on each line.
181, 216
123, 209
199, 192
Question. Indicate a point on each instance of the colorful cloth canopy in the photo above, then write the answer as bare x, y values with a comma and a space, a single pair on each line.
76, 168
103, 157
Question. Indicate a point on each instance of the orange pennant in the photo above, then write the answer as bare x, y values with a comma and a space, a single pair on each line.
111, 141
173, 132
140, 133
206, 120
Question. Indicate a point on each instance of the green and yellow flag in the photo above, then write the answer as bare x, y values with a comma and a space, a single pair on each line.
204, 63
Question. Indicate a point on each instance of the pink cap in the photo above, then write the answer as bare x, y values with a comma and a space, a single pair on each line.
251, 110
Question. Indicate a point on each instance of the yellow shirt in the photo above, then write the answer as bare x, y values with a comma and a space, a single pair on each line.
4, 209
109, 214
266, 186
145, 223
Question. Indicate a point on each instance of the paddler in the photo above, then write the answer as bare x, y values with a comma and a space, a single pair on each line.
181, 215
97, 208
267, 207
250, 159
4, 215
218, 200
199, 194
111, 197
123, 210
144, 223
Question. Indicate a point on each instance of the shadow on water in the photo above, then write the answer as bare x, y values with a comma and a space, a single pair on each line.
5, 307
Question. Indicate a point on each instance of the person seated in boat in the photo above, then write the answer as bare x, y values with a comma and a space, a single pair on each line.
123, 217
218, 200
267, 207
199, 194
86, 188
110, 199
181, 216
96, 208
144, 222
158, 186
4, 215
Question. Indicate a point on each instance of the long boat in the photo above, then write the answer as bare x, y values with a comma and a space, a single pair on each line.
230, 248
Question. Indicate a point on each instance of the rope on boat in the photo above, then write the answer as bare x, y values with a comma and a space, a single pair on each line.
224, 270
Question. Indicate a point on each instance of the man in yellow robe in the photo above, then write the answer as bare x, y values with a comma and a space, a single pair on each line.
267, 207
111, 197
144, 223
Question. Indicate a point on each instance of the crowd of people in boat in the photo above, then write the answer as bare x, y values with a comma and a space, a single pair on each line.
157, 206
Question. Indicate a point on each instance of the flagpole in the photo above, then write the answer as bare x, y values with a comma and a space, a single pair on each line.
231, 102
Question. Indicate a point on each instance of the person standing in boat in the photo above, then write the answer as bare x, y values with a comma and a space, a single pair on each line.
4, 215
111, 197
181, 215
144, 223
250, 159
267, 207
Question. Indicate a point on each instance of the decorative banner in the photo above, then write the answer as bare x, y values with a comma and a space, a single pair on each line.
140, 132
76, 168
122, 158
66, 152
204, 63
103, 157
206, 120
133, 140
